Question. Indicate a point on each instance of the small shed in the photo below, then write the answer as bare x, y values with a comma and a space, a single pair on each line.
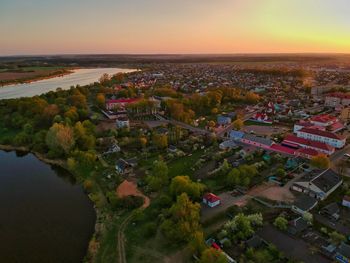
211, 200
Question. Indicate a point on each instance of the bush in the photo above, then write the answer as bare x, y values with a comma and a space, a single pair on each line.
149, 229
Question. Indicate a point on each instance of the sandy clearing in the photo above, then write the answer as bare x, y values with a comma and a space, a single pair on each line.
272, 192
127, 188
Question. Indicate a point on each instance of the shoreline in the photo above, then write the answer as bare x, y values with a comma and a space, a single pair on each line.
39, 78
90, 251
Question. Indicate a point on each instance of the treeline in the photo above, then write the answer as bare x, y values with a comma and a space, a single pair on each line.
187, 108
55, 124
277, 72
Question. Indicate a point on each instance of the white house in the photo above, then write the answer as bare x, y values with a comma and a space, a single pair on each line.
122, 122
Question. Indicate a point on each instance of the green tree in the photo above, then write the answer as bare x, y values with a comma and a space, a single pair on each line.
238, 124
159, 175
336, 237
183, 184
183, 220
211, 255
60, 138
281, 223
321, 161
233, 178
160, 141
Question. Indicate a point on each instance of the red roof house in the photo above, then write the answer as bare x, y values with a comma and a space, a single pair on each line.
211, 200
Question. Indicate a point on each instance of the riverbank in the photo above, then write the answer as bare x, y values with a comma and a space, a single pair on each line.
93, 243
54, 74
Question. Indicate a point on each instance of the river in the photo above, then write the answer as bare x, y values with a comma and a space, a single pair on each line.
78, 77
45, 216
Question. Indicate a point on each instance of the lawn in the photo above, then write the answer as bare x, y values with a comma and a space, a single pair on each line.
108, 246
184, 165
248, 123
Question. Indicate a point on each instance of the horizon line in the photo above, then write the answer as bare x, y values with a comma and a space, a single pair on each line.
176, 54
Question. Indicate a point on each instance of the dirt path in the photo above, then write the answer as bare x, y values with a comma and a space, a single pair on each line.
127, 188
121, 239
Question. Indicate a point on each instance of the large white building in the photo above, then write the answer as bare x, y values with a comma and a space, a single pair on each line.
337, 99
329, 138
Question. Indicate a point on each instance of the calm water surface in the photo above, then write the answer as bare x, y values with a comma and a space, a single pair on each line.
44, 216
80, 76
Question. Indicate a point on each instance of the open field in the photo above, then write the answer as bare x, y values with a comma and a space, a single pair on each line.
26, 74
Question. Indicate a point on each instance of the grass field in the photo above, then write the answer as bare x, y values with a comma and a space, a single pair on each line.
183, 165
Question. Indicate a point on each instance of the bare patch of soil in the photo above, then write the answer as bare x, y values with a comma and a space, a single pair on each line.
128, 188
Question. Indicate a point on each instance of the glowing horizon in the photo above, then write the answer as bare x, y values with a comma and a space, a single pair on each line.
170, 27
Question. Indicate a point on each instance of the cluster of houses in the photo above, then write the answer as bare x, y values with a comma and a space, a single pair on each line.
311, 138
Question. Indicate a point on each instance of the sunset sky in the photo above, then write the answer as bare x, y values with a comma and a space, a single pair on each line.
173, 26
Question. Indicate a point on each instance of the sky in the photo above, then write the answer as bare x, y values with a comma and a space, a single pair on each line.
173, 26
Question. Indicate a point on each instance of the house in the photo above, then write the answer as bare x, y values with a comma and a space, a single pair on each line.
331, 211
262, 118
125, 166
122, 122
229, 144
330, 122
297, 226
236, 135
318, 184
172, 149
343, 253
122, 166
224, 120
329, 138
119, 103
211, 200
257, 141
306, 153
254, 242
346, 201
303, 204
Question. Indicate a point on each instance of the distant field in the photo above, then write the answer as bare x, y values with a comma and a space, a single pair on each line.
28, 73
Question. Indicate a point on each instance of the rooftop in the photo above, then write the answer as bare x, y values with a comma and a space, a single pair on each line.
320, 145
322, 133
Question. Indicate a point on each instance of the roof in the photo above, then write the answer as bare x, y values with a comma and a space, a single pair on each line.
340, 95
236, 134
257, 139
305, 202
297, 225
308, 151
344, 250
210, 197
122, 100
327, 180
290, 138
323, 118
331, 209
282, 149
346, 198
322, 133
254, 242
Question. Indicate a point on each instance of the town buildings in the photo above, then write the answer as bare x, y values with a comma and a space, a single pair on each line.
337, 99
329, 138
318, 184
112, 104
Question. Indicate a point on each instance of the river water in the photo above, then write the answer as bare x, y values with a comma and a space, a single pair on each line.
80, 76
44, 216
